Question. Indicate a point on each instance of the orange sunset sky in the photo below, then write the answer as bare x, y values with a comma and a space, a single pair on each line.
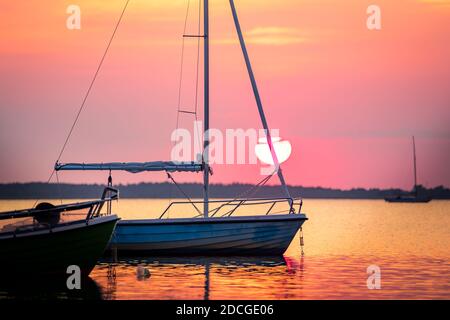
348, 99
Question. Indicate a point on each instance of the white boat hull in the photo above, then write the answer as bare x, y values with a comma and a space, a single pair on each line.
249, 235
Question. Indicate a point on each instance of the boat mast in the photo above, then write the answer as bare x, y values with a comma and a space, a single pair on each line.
415, 166
258, 100
206, 108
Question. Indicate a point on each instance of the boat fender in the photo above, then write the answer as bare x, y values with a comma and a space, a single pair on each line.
302, 242
142, 273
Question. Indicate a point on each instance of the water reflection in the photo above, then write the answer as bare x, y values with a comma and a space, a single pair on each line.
189, 277
26, 288
288, 277
206, 295
211, 278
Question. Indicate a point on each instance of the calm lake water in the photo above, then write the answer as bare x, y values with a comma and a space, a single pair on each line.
410, 243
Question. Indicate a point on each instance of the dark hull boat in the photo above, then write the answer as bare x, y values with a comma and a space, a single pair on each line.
42, 245
51, 252
411, 199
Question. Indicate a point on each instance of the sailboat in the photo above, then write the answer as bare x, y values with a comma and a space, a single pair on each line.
415, 196
218, 230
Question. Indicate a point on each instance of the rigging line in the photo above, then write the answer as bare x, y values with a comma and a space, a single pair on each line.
196, 90
179, 110
261, 184
242, 194
197, 72
198, 58
88, 91
180, 84
93, 81
254, 188
185, 195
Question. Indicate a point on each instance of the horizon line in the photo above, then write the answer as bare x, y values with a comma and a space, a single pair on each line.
225, 184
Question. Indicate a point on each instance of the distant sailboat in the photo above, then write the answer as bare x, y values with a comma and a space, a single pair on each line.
416, 196
217, 230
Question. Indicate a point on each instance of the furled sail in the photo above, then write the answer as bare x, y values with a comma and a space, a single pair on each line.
133, 167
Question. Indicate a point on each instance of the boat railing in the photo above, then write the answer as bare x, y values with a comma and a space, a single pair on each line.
226, 208
109, 194
29, 218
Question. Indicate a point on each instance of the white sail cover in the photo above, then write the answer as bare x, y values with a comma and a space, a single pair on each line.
133, 167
